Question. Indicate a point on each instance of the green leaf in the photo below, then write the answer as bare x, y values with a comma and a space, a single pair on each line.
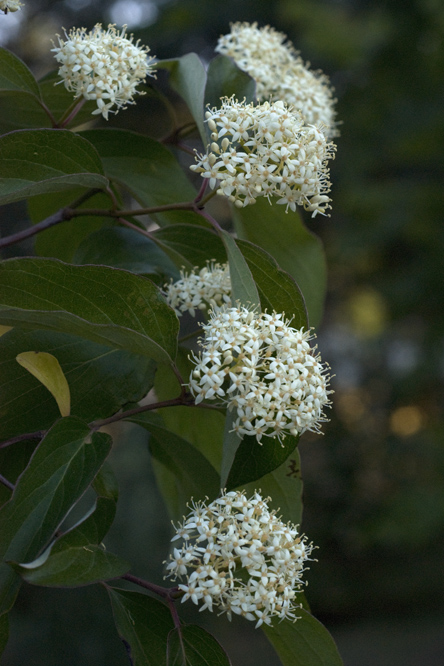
61, 240
284, 486
74, 567
101, 380
277, 289
143, 624
193, 646
146, 169
190, 246
253, 460
243, 287
101, 304
231, 444
195, 476
296, 250
4, 632
305, 642
188, 78
46, 368
15, 75
224, 79
39, 161
127, 249
59, 472
13, 460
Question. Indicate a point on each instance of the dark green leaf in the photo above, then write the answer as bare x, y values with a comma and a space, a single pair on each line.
105, 483
296, 250
59, 472
101, 380
305, 642
243, 288
195, 476
15, 75
277, 289
61, 240
231, 444
188, 78
101, 304
146, 169
226, 79
284, 486
74, 567
193, 646
39, 161
13, 460
190, 246
144, 624
253, 460
127, 249
4, 632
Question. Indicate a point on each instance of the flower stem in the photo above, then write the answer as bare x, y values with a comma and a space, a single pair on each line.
70, 113
6, 483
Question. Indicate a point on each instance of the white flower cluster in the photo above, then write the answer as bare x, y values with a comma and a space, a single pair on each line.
10, 5
209, 286
280, 73
103, 65
264, 370
266, 150
238, 555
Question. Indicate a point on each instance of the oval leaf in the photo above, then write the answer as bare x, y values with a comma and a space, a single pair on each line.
191, 645
243, 288
74, 567
143, 624
277, 289
38, 161
46, 368
101, 304
226, 79
188, 78
296, 250
190, 245
305, 642
15, 75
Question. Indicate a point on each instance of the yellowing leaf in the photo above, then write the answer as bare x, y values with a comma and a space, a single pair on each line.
4, 329
46, 368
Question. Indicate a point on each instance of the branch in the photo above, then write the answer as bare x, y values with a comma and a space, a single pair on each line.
164, 592
62, 215
38, 434
182, 400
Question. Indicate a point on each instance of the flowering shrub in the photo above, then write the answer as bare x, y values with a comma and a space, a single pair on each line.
266, 150
92, 335
264, 370
231, 534
280, 73
103, 65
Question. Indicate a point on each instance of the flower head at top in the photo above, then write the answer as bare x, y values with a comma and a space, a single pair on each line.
239, 556
200, 289
103, 65
280, 73
264, 370
266, 151
10, 5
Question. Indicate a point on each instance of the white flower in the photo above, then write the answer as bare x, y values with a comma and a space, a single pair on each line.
10, 5
249, 563
264, 370
266, 150
280, 73
199, 289
104, 66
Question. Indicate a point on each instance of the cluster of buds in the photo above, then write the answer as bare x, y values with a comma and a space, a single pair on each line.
239, 556
280, 73
266, 150
103, 65
200, 289
264, 370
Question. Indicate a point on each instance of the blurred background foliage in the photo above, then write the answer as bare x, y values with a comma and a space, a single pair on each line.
374, 491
